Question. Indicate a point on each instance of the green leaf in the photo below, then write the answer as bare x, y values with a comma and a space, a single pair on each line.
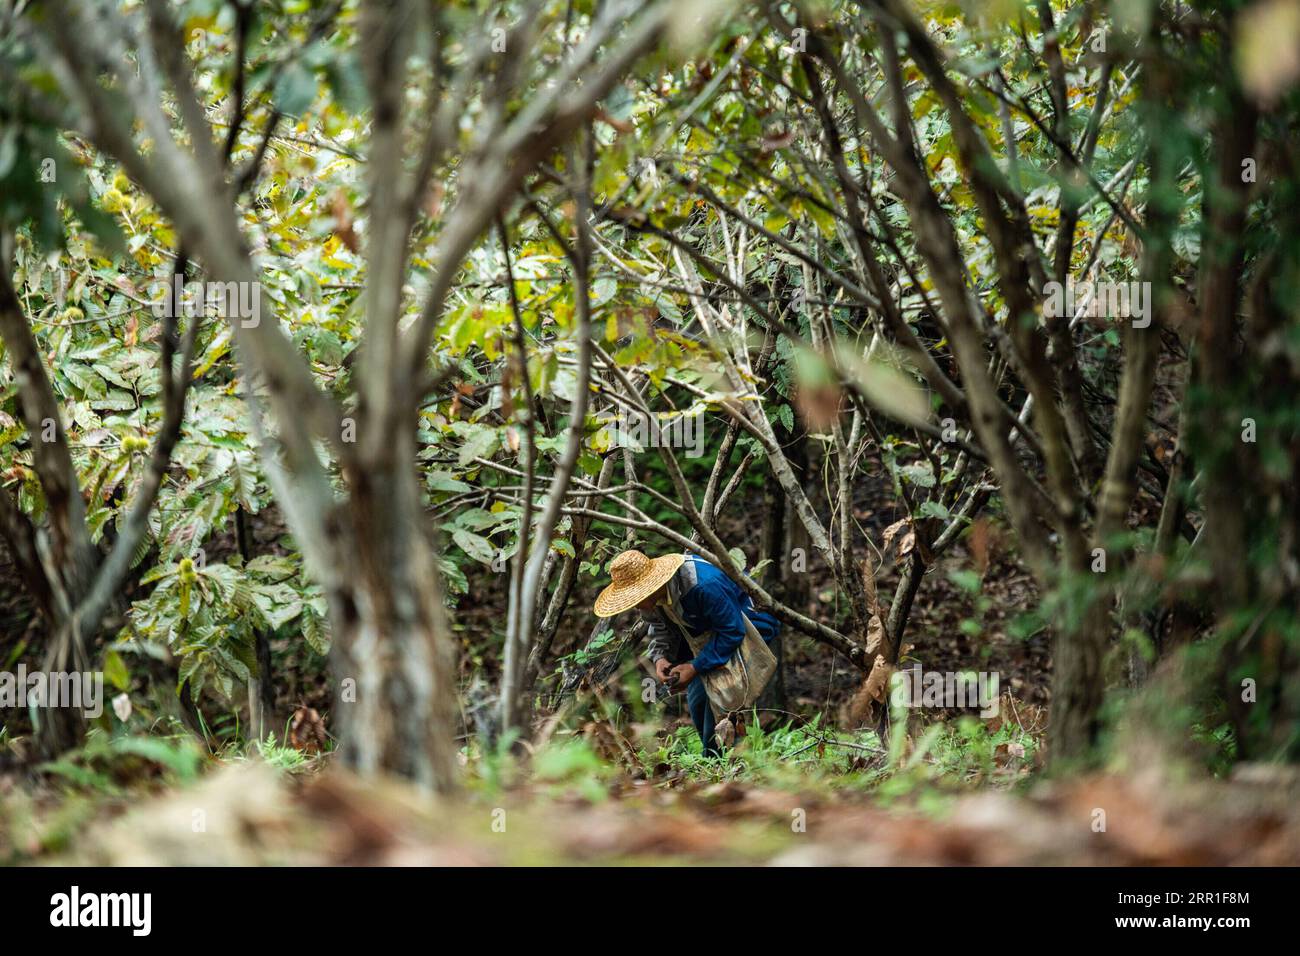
347, 84
275, 567
178, 756
933, 509
443, 481
277, 604
602, 290
919, 473
115, 671
480, 443
295, 90
314, 632
785, 415
245, 481
476, 546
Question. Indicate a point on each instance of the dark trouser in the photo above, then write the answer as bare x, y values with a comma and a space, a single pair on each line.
697, 702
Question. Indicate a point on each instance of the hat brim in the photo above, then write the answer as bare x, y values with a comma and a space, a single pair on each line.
616, 599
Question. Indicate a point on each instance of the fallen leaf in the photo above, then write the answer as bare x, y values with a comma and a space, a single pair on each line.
869, 585
307, 731
906, 543
869, 702
890, 533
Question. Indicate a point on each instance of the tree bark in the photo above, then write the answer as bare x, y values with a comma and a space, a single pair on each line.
394, 656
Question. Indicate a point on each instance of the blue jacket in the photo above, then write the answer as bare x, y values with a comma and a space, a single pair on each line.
706, 600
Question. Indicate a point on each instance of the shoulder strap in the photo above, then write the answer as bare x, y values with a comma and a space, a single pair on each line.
670, 612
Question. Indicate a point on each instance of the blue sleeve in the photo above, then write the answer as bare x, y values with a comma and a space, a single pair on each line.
713, 611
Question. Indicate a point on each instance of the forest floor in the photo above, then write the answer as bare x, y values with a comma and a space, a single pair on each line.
246, 812
598, 793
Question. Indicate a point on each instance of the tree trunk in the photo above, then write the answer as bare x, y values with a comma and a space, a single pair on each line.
261, 690
394, 658
1077, 684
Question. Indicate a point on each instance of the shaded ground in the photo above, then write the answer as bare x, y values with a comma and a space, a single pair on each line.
251, 815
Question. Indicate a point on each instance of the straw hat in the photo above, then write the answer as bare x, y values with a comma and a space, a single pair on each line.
634, 578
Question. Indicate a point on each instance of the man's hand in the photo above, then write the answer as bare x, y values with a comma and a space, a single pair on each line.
685, 673
662, 667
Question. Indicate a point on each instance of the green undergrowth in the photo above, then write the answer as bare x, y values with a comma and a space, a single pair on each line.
109, 773
915, 762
